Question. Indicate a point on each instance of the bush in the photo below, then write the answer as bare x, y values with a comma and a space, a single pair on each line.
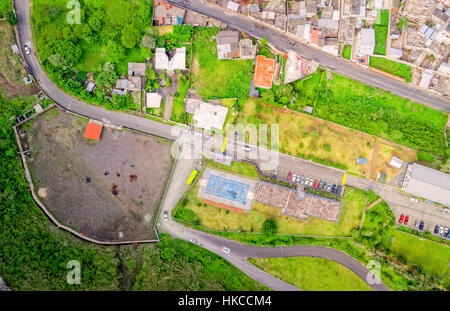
425, 156
269, 227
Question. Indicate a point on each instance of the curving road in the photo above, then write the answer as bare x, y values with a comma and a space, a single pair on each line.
238, 252
284, 43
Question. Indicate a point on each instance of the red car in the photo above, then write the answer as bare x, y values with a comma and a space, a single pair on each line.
316, 184
289, 177
401, 219
406, 220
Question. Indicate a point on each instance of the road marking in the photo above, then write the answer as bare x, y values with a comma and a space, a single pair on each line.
344, 179
224, 144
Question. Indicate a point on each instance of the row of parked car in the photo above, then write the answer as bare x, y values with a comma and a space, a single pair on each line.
445, 232
315, 183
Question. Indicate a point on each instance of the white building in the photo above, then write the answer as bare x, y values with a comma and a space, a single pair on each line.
208, 116
177, 61
427, 75
153, 100
233, 6
396, 162
366, 42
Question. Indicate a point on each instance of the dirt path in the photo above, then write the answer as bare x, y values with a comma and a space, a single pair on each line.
168, 108
374, 203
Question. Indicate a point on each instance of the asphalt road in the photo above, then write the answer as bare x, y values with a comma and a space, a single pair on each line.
284, 43
238, 252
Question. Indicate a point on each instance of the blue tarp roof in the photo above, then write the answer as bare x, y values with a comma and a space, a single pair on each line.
362, 161
179, 20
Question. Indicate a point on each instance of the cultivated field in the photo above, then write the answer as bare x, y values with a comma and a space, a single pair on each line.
75, 176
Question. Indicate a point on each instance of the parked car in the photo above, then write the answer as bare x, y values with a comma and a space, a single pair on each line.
339, 189
166, 215
307, 181
333, 189
329, 188
448, 234
413, 199
406, 220
298, 178
422, 224
302, 181
294, 177
400, 220
289, 176
27, 50
275, 172
436, 229
320, 185
445, 231
316, 184
441, 230
194, 241
416, 223
311, 181
324, 188
226, 250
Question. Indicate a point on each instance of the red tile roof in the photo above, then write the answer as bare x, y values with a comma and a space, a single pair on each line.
93, 131
265, 71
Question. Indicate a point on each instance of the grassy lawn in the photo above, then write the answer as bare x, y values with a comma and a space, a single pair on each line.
213, 78
389, 66
430, 256
308, 137
312, 274
347, 52
232, 113
178, 100
381, 31
385, 115
93, 55
240, 168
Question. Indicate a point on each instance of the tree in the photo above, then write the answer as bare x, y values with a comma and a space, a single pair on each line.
115, 52
269, 227
264, 41
106, 76
130, 36
148, 41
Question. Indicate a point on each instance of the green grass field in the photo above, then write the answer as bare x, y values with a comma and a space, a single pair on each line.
312, 274
430, 256
389, 66
178, 112
213, 78
347, 52
381, 31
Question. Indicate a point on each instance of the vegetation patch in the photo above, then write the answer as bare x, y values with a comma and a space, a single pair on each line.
312, 274
213, 78
389, 66
381, 27
347, 52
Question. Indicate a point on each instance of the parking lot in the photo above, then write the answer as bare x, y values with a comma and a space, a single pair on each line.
437, 229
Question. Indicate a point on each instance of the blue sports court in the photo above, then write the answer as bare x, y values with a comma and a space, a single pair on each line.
227, 189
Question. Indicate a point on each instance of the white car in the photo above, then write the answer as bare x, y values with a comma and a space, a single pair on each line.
298, 178
311, 181
193, 241
166, 216
294, 177
226, 250
27, 50
307, 181
413, 199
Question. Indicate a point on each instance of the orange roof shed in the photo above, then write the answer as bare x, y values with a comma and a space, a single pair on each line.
93, 131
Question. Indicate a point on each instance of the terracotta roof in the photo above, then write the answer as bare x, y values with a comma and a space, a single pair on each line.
315, 36
265, 71
93, 131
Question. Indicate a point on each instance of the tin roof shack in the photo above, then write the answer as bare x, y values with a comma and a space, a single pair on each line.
153, 100
167, 14
228, 45
298, 67
247, 49
93, 130
135, 73
427, 183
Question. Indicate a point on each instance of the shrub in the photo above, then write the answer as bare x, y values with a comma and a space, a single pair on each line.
269, 227
425, 156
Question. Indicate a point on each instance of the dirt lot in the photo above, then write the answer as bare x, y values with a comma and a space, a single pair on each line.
75, 177
11, 71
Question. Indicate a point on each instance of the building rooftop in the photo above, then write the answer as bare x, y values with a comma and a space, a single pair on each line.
93, 131
137, 69
153, 100
265, 71
427, 183
177, 61
228, 44
209, 117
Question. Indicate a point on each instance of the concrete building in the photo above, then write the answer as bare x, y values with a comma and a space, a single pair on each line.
167, 15
176, 61
396, 162
366, 42
427, 75
427, 183
228, 44
233, 6
153, 100
209, 117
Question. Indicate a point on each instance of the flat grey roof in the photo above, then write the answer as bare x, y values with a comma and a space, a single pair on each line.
428, 183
